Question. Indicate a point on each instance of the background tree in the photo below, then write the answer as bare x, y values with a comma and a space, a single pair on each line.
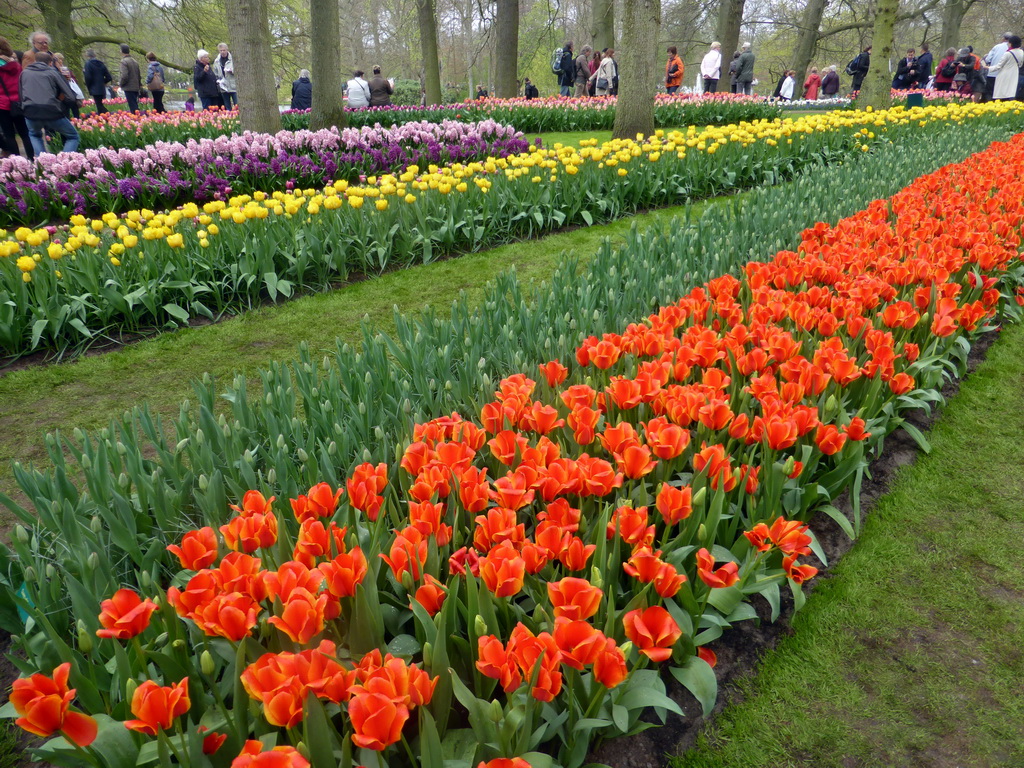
328, 104
506, 42
428, 44
638, 73
730, 18
250, 42
877, 91
602, 28
807, 38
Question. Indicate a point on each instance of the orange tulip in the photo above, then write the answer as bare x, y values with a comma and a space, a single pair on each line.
364, 489
473, 488
317, 540
610, 666
156, 706
321, 501
829, 439
231, 615
725, 576
408, 553
253, 756
253, 503
574, 598
125, 615
431, 595
574, 557
377, 720
251, 531
707, 655
493, 661
579, 642
798, 573
198, 549
505, 762
44, 705
652, 631
303, 615
675, 504
554, 373
344, 573
503, 570
631, 525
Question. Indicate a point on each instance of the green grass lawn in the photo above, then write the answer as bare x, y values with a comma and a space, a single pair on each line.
910, 654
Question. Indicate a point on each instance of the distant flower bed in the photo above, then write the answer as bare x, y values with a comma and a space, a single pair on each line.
114, 180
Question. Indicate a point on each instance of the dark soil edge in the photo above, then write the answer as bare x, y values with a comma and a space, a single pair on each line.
741, 649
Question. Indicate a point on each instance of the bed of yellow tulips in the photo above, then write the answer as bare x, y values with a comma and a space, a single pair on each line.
60, 286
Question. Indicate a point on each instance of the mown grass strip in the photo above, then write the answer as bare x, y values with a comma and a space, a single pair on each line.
909, 654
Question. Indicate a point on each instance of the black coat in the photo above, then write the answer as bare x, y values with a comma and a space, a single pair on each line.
903, 78
205, 82
302, 94
567, 77
924, 68
96, 76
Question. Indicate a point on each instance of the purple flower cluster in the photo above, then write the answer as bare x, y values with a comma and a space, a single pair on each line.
165, 173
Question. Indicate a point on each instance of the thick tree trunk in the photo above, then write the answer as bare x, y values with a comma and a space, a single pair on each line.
249, 30
325, 52
953, 13
602, 28
877, 89
506, 31
634, 111
807, 38
428, 44
730, 17
467, 34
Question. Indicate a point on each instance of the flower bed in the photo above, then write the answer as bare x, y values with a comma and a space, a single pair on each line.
231, 254
709, 432
118, 104
107, 180
128, 130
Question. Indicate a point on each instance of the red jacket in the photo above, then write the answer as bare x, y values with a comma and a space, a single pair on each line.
9, 74
674, 78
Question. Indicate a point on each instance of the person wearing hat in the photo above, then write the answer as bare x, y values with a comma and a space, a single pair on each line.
380, 89
991, 59
969, 80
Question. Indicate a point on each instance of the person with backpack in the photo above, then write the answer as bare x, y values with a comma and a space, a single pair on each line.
96, 76
155, 82
1007, 70
858, 68
673, 70
564, 66
946, 70
530, 91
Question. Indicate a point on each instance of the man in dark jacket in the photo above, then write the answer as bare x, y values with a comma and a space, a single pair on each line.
41, 91
380, 90
924, 66
745, 71
96, 77
567, 75
530, 90
859, 68
131, 78
302, 91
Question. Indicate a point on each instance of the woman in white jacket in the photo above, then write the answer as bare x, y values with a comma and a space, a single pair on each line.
605, 73
711, 68
1008, 69
786, 91
358, 91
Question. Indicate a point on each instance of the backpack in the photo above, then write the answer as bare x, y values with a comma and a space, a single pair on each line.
851, 68
556, 61
949, 70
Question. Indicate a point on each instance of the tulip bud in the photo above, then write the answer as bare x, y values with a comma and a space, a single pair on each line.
207, 664
51, 572
86, 461
698, 498
85, 641
123, 480
226, 430
408, 582
204, 482
96, 525
406, 406
479, 625
428, 654
596, 578
79, 434
30, 574
248, 457
366, 454
280, 441
145, 580
121, 450
21, 534
332, 449
93, 562
200, 437
179, 644
162, 638
181, 445
129, 689
272, 475
702, 533
789, 466
495, 712
626, 648
303, 750
315, 392
378, 433
362, 408
303, 456
831, 407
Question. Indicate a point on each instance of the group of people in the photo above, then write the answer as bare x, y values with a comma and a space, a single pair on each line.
214, 79
998, 76
816, 85
591, 73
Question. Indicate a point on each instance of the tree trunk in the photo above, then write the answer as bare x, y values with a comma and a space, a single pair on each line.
877, 88
60, 26
634, 111
603, 25
249, 30
467, 34
428, 44
807, 39
506, 32
325, 52
730, 17
953, 13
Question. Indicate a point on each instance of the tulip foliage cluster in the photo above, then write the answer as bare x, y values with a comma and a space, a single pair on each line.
511, 587
142, 269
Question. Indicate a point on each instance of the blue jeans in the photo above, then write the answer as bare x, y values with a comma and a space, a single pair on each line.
60, 125
132, 97
566, 90
230, 98
672, 89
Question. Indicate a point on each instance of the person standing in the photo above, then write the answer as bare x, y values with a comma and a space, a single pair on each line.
1006, 71
906, 73
12, 121
39, 42
155, 81
205, 82
858, 68
567, 70
71, 107
581, 70
224, 69
358, 91
673, 70
41, 90
924, 66
130, 80
830, 83
603, 76
946, 70
990, 59
97, 76
734, 71
745, 71
380, 90
530, 91
302, 91
711, 68
811, 85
